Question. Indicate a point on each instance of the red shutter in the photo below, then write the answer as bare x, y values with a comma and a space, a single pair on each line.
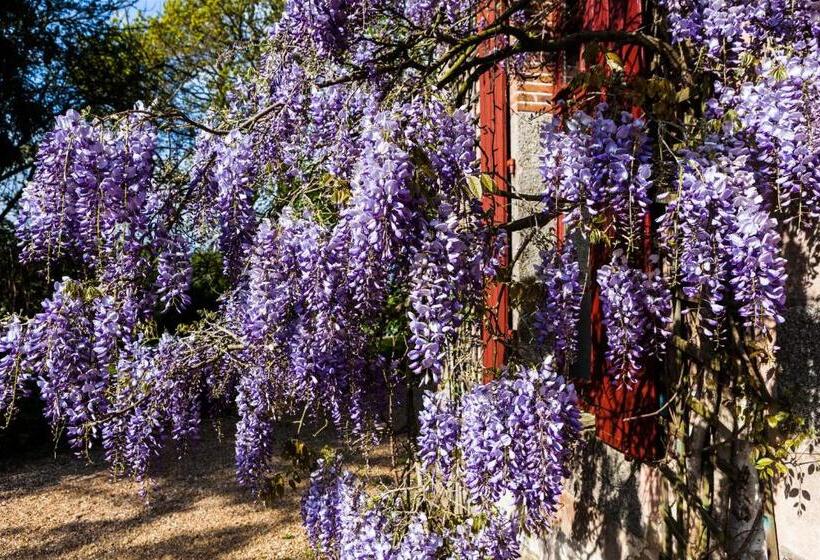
494, 142
616, 407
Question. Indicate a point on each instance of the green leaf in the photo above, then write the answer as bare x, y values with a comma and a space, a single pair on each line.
780, 73
474, 186
774, 419
613, 60
487, 183
764, 462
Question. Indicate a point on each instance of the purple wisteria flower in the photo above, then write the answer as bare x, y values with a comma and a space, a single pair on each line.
515, 437
13, 375
555, 321
439, 430
637, 310
594, 166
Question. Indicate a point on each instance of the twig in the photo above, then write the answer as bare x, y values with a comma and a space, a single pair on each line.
536, 220
656, 412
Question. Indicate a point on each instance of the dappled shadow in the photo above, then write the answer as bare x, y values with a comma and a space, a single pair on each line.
71, 537
798, 382
802, 252
213, 544
799, 359
799, 336
608, 510
64, 508
605, 509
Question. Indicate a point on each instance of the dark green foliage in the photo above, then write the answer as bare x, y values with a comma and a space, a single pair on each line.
57, 54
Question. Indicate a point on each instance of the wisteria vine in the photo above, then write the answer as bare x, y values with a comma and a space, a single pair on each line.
334, 189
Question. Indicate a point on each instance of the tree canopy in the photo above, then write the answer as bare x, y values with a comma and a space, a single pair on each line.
58, 55
199, 47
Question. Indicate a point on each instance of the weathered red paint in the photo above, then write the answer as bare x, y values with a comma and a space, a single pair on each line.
494, 142
623, 416
615, 407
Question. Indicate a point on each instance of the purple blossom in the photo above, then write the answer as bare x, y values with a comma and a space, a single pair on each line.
597, 168
637, 311
496, 538
729, 244
439, 428
422, 12
556, 320
418, 542
13, 376
174, 275
60, 351
515, 437
233, 175
732, 26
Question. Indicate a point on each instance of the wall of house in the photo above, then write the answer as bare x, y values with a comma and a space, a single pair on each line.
613, 508
797, 496
609, 508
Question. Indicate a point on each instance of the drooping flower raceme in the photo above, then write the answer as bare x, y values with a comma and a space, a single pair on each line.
727, 244
515, 437
439, 431
447, 274
637, 310
556, 320
598, 168
232, 177
731, 27
506, 442
13, 376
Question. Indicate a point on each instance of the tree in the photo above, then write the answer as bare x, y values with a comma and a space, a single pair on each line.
200, 47
58, 55
84, 55
339, 188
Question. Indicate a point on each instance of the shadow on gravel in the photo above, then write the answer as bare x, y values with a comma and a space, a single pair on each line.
62, 507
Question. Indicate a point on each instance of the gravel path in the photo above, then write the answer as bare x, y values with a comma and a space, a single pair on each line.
62, 508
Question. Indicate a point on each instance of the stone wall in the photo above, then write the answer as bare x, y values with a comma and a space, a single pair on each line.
609, 508
797, 496
613, 509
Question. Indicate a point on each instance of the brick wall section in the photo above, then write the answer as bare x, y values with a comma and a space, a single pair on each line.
533, 95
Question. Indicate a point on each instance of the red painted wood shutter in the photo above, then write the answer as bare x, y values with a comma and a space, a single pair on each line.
618, 409
615, 407
494, 143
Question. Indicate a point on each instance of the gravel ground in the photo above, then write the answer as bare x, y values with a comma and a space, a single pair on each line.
63, 508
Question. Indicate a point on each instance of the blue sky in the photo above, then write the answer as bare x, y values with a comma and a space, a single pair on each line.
148, 7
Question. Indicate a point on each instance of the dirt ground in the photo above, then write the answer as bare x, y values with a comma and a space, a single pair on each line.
63, 508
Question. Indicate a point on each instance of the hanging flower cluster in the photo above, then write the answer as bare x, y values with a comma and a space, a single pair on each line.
340, 524
309, 296
315, 296
598, 168
598, 171
556, 320
727, 244
755, 173
98, 380
637, 310
13, 377
93, 199
733, 27
506, 442
514, 442
439, 431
